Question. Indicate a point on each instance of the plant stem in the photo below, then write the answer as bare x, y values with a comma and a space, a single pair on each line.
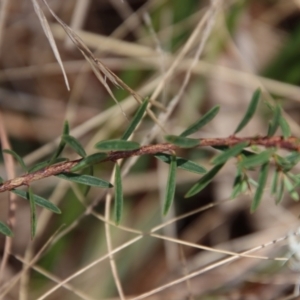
291, 144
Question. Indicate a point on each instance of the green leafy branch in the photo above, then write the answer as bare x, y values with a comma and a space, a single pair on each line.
244, 149
66, 167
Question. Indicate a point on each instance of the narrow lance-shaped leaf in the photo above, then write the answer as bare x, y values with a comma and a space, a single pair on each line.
253, 182
275, 121
181, 163
38, 201
4, 229
250, 111
262, 180
66, 128
44, 164
181, 141
257, 160
239, 185
74, 144
280, 193
285, 127
89, 171
202, 121
62, 144
274, 184
288, 162
17, 157
293, 158
118, 207
231, 152
32, 212
117, 145
238, 179
1, 180
204, 181
239, 189
136, 119
38, 166
294, 178
291, 189
225, 148
89, 161
171, 185
85, 179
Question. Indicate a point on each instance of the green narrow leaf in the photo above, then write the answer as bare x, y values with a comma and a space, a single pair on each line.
274, 184
1, 180
294, 195
38, 166
279, 194
90, 171
237, 184
236, 190
239, 189
285, 127
38, 201
181, 141
136, 120
290, 188
287, 163
17, 157
240, 184
294, 178
44, 164
202, 121
257, 159
171, 186
250, 111
293, 158
118, 195
117, 145
32, 212
181, 163
225, 148
274, 124
4, 229
253, 182
204, 181
245, 186
85, 179
231, 152
62, 143
74, 144
262, 180
89, 161
66, 128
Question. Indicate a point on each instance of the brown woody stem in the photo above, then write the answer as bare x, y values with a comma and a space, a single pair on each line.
291, 143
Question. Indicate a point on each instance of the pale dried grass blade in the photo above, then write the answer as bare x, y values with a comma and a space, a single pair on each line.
50, 38
83, 48
79, 16
99, 68
102, 80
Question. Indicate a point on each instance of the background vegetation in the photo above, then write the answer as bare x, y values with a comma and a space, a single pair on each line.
210, 53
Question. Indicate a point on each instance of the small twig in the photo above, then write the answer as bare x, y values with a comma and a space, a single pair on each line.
291, 144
